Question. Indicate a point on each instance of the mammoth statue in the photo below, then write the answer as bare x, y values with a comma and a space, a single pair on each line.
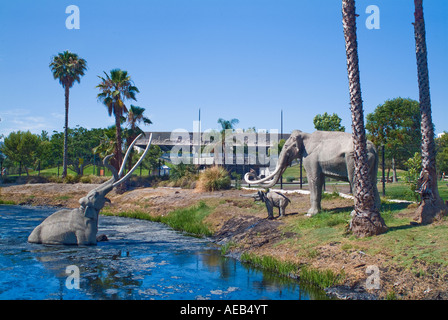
324, 153
272, 200
79, 226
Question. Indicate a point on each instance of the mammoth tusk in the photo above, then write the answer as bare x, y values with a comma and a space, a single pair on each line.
127, 155
136, 165
252, 195
270, 177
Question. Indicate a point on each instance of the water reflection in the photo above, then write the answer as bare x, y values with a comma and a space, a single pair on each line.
141, 260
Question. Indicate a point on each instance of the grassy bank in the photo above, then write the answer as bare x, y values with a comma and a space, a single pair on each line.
320, 278
189, 220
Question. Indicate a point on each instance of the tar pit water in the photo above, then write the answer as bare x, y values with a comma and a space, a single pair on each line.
142, 260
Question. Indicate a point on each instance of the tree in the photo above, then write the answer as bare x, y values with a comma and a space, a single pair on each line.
151, 161
442, 153
366, 220
67, 67
80, 143
326, 122
21, 147
226, 125
134, 118
114, 89
431, 207
395, 124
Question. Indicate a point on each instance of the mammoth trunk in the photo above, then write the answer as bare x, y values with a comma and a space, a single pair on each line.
273, 178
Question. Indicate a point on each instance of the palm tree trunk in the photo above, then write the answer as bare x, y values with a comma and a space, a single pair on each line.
432, 206
65, 157
366, 220
118, 155
121, 188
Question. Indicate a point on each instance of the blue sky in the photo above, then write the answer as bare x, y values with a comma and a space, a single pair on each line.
244, 59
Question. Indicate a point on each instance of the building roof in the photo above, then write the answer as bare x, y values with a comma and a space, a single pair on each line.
170, 139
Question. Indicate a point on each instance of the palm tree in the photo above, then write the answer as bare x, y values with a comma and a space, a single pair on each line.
366, 220
68, 68
431, 206
226, 125
115, 88
134, 118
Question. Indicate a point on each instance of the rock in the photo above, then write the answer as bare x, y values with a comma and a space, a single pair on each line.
348, 293
101, 237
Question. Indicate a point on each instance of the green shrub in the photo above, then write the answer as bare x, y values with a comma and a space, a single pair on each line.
71, 178
85, 179
414, 166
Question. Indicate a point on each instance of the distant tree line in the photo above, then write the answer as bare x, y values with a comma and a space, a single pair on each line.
28, 150
395, 124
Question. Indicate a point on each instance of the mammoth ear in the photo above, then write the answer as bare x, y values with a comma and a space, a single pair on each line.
89, 212
299, 144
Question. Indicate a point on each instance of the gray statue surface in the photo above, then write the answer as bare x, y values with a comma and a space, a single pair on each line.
80, 226
325, 153
272, 200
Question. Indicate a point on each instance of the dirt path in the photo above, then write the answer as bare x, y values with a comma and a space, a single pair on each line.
243, 222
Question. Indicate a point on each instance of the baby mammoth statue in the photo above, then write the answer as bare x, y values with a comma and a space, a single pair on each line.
271, 199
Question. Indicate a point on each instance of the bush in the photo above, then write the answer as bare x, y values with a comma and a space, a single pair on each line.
71, 178
212, 179
183, 176
414, 166
289, 179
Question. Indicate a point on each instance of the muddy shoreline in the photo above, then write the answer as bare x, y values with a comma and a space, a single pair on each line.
239, 221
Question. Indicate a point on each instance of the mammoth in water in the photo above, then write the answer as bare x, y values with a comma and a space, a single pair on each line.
324, 153
80, 226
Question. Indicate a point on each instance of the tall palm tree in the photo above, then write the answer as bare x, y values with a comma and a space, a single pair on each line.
226, 125
67, 67
114, 89
366, 220
432, 206
134, 118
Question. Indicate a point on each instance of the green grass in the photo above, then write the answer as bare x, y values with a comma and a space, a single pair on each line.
189, 220
319, 278
270, 263
401, 191
88, 170
6, 202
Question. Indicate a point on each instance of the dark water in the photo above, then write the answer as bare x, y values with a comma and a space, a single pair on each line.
141, 260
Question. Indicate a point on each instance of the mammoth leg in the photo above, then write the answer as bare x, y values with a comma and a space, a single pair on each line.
281, 208
315, 184
270, 209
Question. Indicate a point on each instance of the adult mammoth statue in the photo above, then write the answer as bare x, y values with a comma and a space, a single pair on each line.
79, 226
325, 153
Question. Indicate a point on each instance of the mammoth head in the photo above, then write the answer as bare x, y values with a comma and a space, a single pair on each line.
292, 149
95, 200
92, 203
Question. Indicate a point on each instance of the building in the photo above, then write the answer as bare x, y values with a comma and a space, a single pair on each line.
239, 151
